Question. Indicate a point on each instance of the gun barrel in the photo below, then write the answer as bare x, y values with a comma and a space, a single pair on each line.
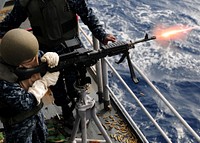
144, 40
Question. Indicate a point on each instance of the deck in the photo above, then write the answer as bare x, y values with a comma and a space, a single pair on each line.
112, 121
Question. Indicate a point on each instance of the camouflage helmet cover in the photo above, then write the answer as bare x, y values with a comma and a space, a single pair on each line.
18, 45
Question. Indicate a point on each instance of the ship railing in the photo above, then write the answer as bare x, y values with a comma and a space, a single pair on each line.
2, 3
101, 70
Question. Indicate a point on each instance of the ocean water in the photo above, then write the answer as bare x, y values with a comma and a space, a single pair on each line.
173, 67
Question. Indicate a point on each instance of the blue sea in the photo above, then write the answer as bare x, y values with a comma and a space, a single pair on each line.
174, 68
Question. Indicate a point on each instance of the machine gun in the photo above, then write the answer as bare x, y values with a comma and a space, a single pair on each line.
82, 57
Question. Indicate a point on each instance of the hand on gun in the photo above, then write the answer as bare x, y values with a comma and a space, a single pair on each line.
108, 38
40, 87
51, 58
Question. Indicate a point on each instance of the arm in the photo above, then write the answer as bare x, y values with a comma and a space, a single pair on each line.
16, 97
40, 87
88, 17
13, 19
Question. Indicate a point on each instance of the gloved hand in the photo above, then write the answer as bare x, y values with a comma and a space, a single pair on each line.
51, 58
51, 78
40, 87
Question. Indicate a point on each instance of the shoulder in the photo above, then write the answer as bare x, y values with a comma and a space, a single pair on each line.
6, 72
6, 85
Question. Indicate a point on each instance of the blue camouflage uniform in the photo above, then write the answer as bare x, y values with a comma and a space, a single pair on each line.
77, 7
19, 101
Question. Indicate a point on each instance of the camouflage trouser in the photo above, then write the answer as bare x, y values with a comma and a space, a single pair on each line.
32, 130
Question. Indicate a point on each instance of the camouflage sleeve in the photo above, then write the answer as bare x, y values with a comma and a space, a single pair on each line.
88, 17
13, 19
16, 97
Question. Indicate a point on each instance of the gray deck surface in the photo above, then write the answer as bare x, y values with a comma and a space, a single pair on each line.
116, 128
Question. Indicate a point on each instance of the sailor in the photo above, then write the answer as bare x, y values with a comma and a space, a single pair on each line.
55, 25
20, 100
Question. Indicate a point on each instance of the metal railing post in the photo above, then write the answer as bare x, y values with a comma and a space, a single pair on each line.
2, 3
105, 84
98, 72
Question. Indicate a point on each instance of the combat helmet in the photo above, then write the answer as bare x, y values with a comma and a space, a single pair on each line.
18, 45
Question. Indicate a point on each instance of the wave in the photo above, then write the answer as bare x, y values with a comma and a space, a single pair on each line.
174, 68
